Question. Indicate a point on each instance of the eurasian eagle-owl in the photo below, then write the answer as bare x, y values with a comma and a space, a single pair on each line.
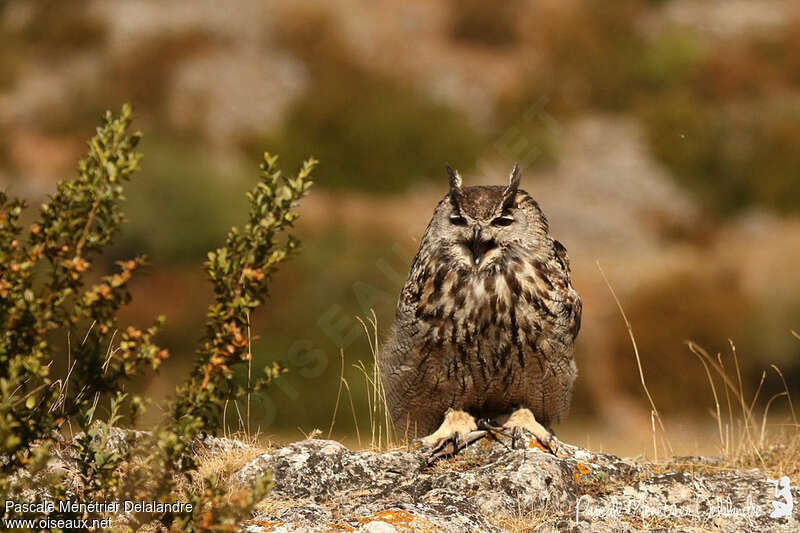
485, 323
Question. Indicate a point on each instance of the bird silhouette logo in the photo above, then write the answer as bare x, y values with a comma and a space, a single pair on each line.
782, 506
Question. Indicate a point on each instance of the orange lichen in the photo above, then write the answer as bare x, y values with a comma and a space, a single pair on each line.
396, 517
581, 470
401, 519
534, 443
267, 525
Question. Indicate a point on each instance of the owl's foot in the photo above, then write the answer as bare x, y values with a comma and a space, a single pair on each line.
450, 446
523, 419
458, 431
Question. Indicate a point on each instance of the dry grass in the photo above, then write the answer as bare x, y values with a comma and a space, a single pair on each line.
271, 507
747, 439
660, 524
463, 462
525, 521
222, 465
654, 414
382, 434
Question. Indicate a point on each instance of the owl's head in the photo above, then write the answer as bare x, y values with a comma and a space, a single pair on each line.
479, 228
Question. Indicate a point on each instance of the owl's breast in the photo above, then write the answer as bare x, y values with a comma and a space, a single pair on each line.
527, 302
487, 341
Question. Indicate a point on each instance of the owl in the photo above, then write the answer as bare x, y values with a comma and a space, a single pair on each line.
485, 325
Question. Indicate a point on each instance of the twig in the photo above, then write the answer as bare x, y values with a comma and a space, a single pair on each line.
85, 232
249, 369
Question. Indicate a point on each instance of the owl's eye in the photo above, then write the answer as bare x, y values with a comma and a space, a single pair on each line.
502, 221
458, 220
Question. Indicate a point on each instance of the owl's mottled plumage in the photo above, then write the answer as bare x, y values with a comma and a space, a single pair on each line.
486, 321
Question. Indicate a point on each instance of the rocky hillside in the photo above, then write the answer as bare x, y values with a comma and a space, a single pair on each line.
320, 485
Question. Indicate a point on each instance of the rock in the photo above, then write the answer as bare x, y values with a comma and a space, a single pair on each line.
121, 440
211, 445
377, 526
321, 485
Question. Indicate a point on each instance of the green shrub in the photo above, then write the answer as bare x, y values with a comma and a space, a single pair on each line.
55, 28
43, 291
44, 30
721, 114
143, 74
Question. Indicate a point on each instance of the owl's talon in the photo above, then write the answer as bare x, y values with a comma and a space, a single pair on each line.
451, 445
447, 446
458, 430
488, 425
516, 437
523, 419
555, 447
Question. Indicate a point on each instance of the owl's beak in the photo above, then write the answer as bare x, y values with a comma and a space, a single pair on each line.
476, 235
479, 247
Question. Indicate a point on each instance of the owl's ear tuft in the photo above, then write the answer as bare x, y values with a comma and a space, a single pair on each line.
513, 185
455, 184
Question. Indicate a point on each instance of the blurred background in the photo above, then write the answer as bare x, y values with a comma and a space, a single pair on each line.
661, 138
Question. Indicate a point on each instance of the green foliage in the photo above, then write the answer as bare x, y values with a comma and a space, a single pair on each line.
51, 29
43, 292
590, 55
44, 30
240, 272
669, 60
143, 74
96, 462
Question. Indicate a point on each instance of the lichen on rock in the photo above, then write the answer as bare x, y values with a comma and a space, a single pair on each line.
321, 485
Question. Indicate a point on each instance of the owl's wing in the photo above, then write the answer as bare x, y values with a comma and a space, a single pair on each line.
571, 296
412, 290
561, 254
576, 315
